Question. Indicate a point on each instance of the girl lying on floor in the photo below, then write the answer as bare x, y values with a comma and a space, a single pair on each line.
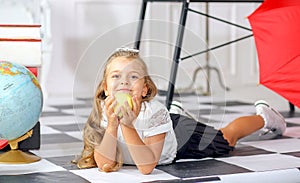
142, 132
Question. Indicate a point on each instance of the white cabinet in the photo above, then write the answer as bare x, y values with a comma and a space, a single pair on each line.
23, 18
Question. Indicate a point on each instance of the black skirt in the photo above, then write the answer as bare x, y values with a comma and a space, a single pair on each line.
197, 140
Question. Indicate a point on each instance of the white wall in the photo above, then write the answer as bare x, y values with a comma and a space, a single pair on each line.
85, 32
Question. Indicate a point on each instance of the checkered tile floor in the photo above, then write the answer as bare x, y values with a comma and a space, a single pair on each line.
255, 158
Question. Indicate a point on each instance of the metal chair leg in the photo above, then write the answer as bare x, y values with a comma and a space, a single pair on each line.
176, 56
140, 25
292, 107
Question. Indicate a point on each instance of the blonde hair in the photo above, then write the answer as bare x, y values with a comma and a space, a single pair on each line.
93, 131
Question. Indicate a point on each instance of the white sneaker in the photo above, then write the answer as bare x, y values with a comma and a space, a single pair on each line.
274, 121
176, 108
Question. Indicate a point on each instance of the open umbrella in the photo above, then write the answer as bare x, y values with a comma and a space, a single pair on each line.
276, 29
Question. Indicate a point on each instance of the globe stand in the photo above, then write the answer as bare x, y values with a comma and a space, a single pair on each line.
15, 156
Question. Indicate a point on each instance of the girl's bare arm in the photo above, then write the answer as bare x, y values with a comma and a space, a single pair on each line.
105, 153
145, 154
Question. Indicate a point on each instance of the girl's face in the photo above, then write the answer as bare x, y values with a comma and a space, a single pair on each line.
127, 76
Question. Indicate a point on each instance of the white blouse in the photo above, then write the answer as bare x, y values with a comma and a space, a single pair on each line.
153, 119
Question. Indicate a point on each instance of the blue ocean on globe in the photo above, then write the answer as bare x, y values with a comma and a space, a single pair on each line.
21, 100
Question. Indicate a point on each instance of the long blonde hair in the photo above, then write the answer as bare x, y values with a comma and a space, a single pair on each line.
93, 132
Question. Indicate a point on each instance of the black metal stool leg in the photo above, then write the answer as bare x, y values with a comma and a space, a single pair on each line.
140, 25
176, 55
292, 107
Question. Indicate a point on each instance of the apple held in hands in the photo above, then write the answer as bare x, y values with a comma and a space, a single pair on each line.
121, 99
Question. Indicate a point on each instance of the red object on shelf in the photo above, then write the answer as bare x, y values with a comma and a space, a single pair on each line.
3, 143
34, 70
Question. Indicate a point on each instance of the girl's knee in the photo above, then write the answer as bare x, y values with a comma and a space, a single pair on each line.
229, 135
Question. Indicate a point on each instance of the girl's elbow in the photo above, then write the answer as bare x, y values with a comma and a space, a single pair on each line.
146, 169
106, 167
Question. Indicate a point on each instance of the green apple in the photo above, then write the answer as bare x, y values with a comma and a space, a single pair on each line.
121, 99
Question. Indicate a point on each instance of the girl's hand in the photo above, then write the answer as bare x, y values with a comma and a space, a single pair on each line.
130, 115
112, 118
136, 105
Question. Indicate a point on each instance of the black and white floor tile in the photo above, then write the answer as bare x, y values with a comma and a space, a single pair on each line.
255, 159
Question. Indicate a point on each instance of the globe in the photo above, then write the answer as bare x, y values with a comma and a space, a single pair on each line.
21, 100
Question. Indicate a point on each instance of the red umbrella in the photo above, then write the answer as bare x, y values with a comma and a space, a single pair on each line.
276, 29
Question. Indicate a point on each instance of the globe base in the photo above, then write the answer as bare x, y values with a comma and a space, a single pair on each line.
15, 156
18, 157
